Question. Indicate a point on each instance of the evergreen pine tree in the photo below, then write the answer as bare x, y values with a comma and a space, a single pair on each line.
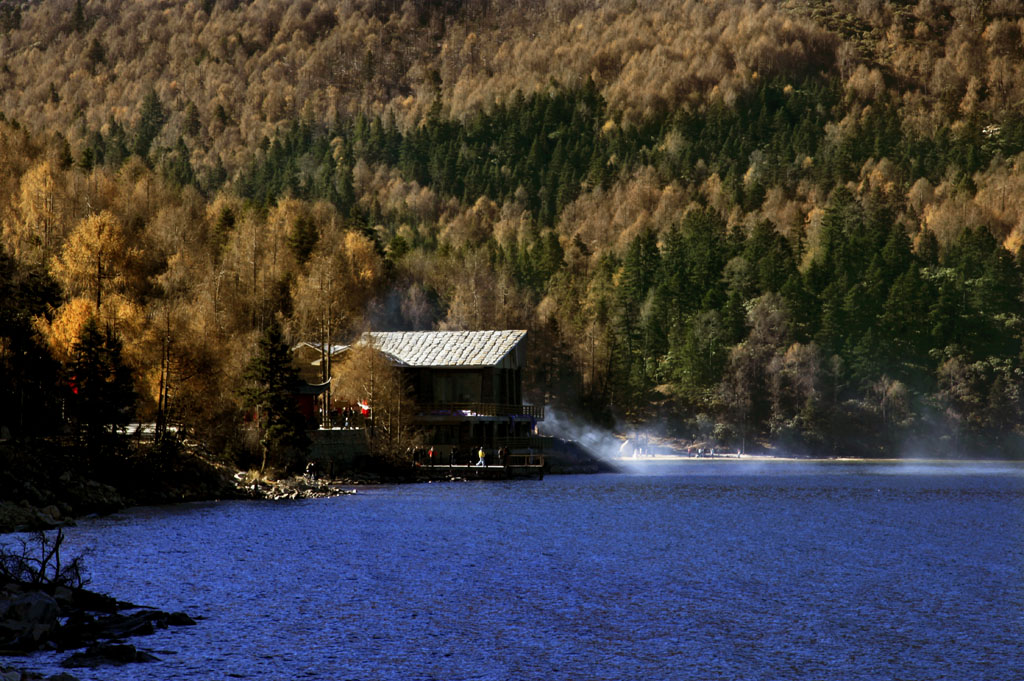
177, 167
78, 17
88, 159
302, 239
904, 328
192, 124
27, 401
832, 332
928, 249
700, 354
102, 394
95, 55
270, 383
636, 277
151, 120
770, 257
549, 255
802, 306
346, 191
707, 250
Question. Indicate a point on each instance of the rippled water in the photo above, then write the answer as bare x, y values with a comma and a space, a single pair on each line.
697, 570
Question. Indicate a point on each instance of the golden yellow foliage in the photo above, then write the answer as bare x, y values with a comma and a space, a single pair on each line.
365, 375
267, 61
66, 326
97, 259
126, 318
471, 227
43, 215
952, 212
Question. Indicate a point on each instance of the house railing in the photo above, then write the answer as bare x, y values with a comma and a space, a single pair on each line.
534, 442
536, 412
532, 460
519, 460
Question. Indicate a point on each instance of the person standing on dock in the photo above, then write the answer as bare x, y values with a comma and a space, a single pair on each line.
483, 457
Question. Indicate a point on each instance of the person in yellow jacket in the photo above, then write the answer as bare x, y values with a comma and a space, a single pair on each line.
481, 454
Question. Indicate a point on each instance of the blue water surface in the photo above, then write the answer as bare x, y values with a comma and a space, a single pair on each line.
687, 570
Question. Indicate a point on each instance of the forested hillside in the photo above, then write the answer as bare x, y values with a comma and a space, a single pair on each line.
792, 222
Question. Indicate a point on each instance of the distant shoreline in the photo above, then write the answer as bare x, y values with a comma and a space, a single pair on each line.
770, 458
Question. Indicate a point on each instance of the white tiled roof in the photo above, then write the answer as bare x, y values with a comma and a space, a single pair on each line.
446, 348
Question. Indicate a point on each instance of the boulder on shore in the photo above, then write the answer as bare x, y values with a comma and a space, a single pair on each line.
108, 653
11, 674
36, 617
27, 620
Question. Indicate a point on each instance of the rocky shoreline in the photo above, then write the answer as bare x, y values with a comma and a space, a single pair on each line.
44, 606
91, 626
45, 484
42, 613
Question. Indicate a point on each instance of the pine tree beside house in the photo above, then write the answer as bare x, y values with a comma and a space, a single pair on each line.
102, 396
271, 380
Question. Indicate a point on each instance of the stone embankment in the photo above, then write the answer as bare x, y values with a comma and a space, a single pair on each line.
67, 496
43, 507
297, 487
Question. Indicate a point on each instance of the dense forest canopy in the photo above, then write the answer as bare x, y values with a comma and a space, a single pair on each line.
793, 222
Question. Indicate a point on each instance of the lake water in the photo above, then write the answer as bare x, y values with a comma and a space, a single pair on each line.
693, 570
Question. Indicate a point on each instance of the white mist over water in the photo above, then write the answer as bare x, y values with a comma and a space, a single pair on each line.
600, 441
945, 467
613, 447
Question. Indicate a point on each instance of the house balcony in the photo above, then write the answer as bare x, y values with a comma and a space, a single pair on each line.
480, 410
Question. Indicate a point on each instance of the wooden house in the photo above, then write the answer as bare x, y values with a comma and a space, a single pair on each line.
467, 385
467, 388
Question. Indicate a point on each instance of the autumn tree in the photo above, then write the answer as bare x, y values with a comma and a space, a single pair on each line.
333, 289
42, 219
254, 266
97, 258
795, 384
366, 375
322, 310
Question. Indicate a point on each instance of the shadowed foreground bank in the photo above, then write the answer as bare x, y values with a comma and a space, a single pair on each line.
44, 606
44, 483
